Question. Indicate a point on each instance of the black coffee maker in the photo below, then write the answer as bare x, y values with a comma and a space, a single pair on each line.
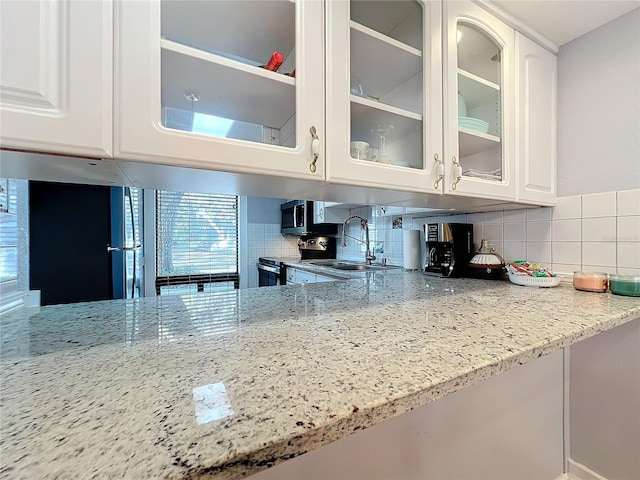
449, 248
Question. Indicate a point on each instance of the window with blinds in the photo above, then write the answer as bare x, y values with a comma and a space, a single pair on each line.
8, 231
196, 242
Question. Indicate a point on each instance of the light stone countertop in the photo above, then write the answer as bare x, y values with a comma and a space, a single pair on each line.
225, 384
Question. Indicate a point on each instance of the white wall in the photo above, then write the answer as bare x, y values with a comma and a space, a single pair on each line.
599, 151
508, 427
605, 402
599, 109
264, 210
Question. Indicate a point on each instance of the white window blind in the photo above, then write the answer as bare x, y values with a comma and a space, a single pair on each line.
8, 231
196, 241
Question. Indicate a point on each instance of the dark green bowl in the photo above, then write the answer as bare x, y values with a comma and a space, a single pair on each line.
625, 285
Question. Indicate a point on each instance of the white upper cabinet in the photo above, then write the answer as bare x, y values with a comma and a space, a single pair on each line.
193, 89
536, 114
479, 104
56, 70
400, 97
384, 93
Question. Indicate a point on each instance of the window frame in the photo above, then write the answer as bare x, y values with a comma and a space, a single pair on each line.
199, 279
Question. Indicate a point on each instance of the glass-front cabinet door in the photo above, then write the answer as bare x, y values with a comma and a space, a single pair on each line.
384, 113
479, 103
225, 85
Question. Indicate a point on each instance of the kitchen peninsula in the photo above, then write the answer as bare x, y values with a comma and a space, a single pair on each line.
223, 385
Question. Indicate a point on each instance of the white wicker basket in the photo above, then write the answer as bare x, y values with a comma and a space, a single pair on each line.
528, 281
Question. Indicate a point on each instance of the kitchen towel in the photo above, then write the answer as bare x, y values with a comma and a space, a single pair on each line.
411, 250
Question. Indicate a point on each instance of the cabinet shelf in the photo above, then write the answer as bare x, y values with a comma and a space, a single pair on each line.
477, 91
367, 114
384, 107
251, 30
399, 20
471, 142
227, 88
381, 62
475, 79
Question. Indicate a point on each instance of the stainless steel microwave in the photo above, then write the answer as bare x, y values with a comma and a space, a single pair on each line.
297, 219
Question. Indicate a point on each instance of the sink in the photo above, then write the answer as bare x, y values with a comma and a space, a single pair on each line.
327, 263
347, 266
350, 266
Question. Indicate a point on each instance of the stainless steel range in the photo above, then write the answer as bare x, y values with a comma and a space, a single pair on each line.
272, 270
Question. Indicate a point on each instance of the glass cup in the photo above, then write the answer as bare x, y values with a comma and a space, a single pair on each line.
359, 150
383, 131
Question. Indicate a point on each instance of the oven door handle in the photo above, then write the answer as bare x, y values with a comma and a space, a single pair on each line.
269, 268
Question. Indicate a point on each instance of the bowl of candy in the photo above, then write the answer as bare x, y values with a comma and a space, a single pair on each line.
528, 274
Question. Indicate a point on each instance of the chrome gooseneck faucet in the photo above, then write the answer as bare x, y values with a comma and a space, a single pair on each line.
364, 224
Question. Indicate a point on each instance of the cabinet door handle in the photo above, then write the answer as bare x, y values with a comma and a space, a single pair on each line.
458, 172
315, 148
439, 170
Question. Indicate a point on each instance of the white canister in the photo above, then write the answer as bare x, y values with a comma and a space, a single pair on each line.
411, 250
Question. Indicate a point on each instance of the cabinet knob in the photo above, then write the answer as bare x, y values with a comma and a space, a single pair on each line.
315, 148
458, 172
439, 171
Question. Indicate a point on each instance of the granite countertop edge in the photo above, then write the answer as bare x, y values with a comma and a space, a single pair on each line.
365, 416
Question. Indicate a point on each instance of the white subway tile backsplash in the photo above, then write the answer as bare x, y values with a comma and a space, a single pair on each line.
477, 233
629, 202
628, 271
566, 252
599, 229
515, 215
493, 217
580, 232
459, 218
514, 232
538, 214
628, 255
566, 230
539, 231
492, 232
599, 205
567, 207
599, 253
565, 269
498, 246
514, 251
475, 218
628, 228
539, 252
599, 268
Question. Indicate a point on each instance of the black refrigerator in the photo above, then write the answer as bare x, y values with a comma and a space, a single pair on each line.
85, 242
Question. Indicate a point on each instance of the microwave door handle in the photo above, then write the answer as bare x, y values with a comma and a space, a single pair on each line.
295, 216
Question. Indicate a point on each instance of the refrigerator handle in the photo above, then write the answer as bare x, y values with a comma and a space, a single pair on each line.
123, 249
